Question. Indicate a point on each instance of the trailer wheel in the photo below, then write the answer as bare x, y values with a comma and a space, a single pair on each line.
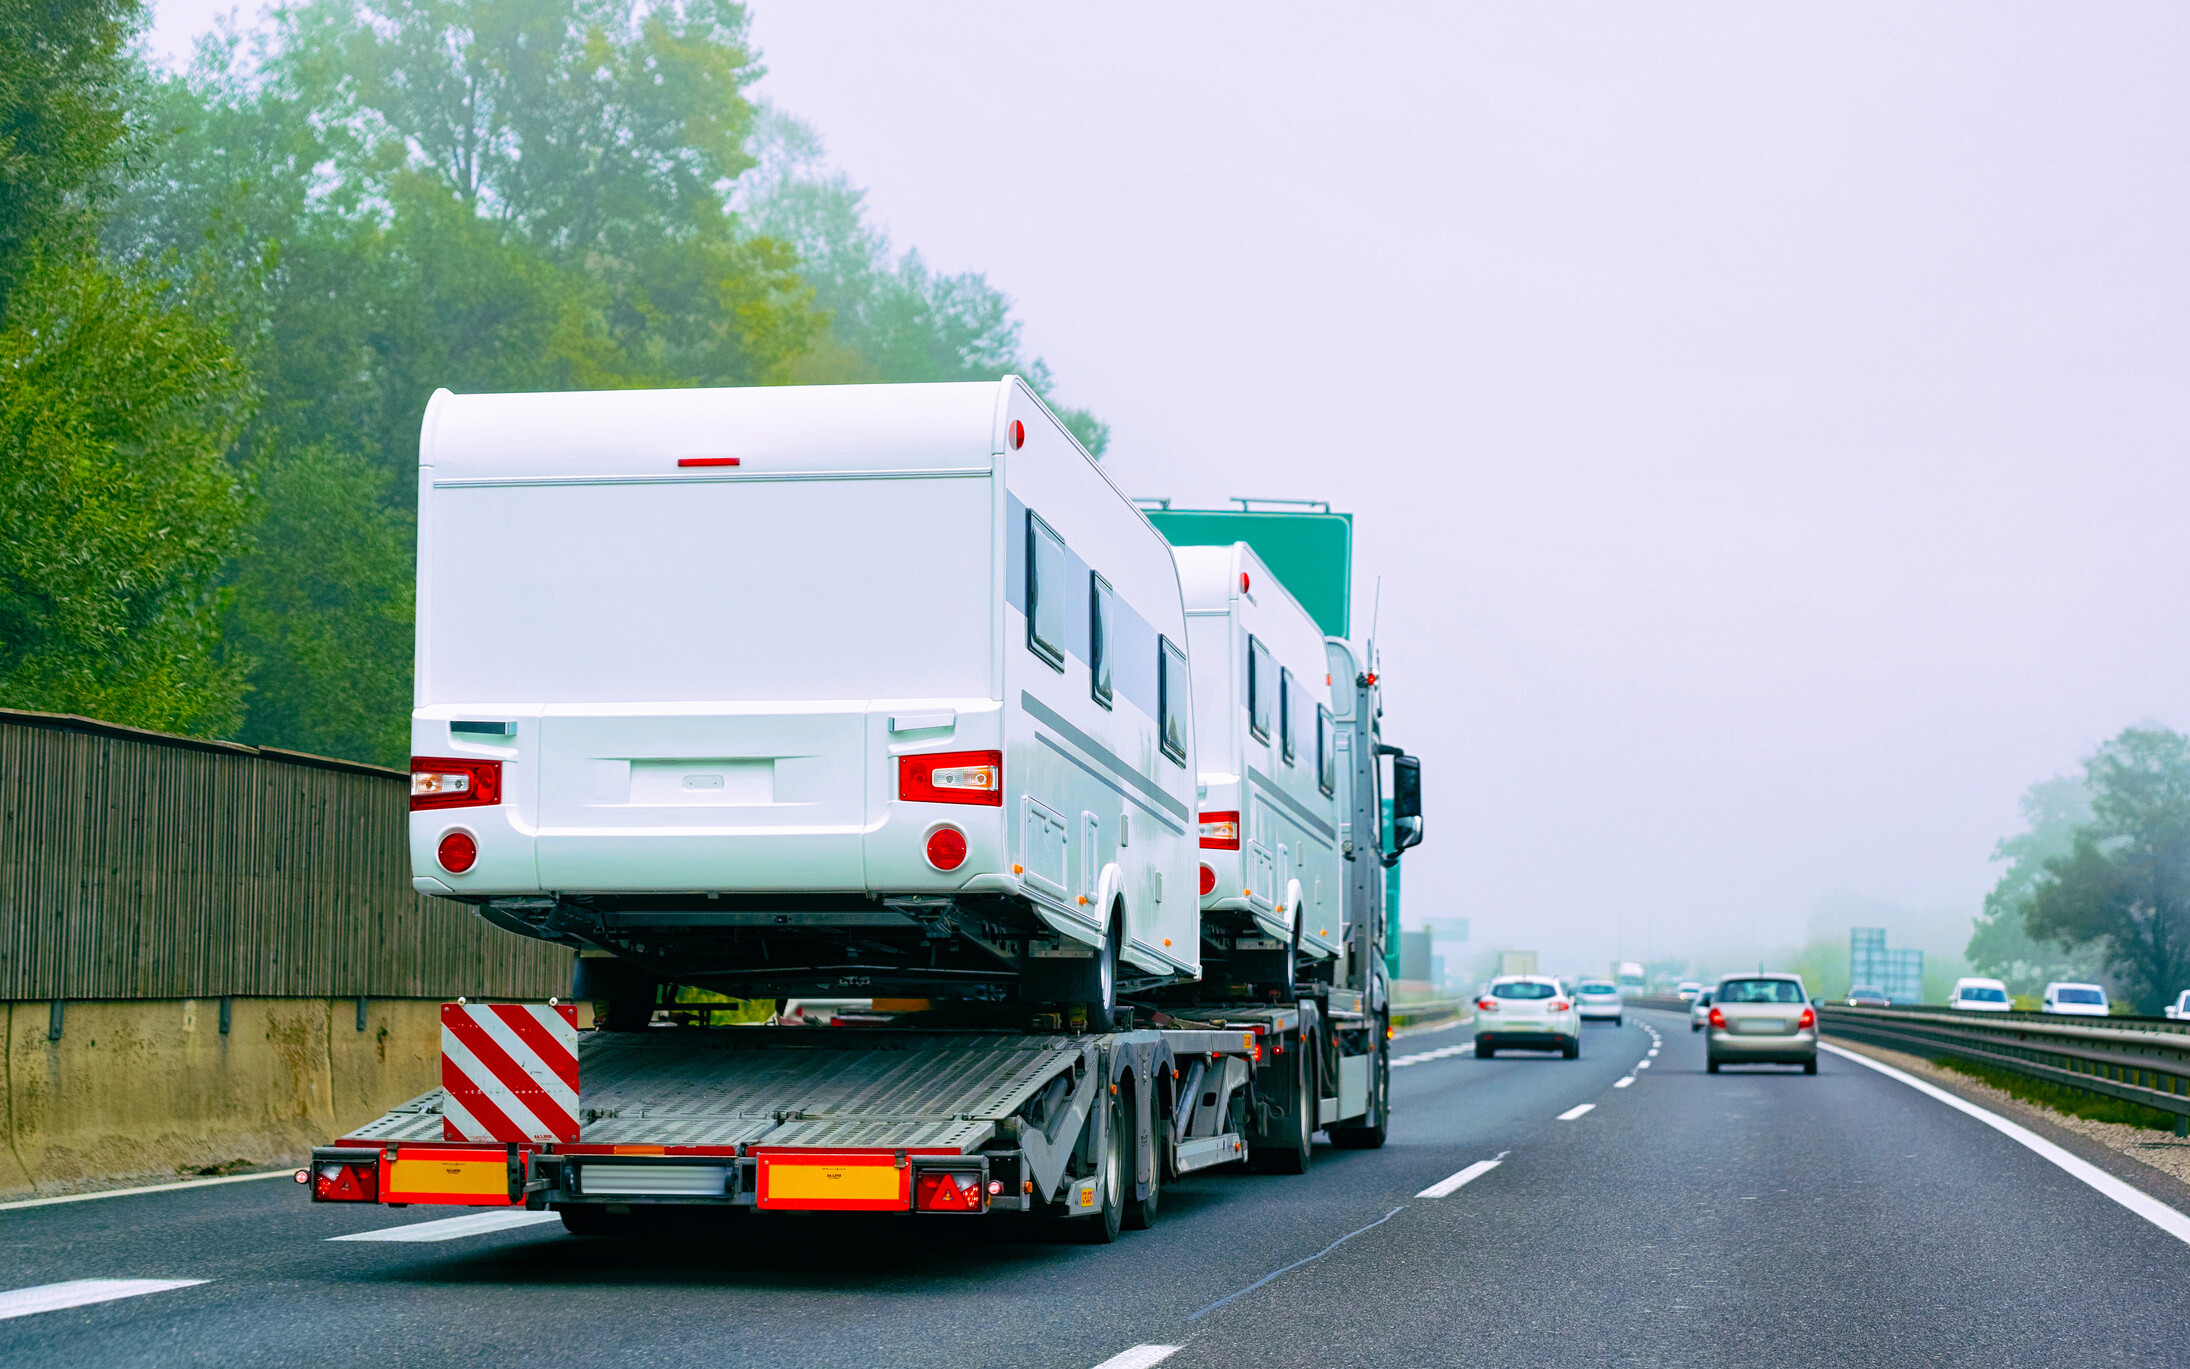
1109, 1218
1290, 1155
1140, 1213
1102, 1008
1370, 1135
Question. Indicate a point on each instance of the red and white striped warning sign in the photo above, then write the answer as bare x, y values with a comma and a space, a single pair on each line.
511, 1071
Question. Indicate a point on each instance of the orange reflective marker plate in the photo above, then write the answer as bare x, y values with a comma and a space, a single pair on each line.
834, 1183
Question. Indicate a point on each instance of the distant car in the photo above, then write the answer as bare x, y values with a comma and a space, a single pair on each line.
2076, 1000
1973, 994
1761, 1019
2180, 1008
1864, 996
1699, 1012
1526, 1012
1688, 991
1599, 999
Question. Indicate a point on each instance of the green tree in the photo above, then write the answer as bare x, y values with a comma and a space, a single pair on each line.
2001, 944
2124, 885
63, 85
117, 505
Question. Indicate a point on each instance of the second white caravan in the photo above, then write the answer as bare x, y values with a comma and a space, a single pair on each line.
1270, 816
852, 689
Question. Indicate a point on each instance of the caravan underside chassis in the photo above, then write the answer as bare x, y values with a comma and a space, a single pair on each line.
883, 1120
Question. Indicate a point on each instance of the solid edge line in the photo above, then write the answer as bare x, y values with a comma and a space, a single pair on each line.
2143, 1204
1578, 1110
149, 1188
1139, 1357
1297, 1263
1452, 1182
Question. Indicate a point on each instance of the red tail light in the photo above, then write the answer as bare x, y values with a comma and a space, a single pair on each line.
1718, 1019
1208, 881
1220, 831
946, 848
1487, 1004
944, 1190
952, 777
1808, 1020
454, 782
458, 852
346, 1183
1560, 1005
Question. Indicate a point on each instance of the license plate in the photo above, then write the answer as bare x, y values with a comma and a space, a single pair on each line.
1762, 1026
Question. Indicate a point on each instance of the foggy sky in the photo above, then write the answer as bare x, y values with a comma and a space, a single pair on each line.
1767, 421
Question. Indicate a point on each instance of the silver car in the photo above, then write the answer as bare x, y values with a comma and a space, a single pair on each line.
1761, 1019
1699, 1012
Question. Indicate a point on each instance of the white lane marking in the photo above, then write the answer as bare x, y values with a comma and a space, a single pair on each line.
450, 1228
1653, 1052
1465, 1176
1577, 1110
1139, 1357
149, 1188
1419, 1056
1623, 1083
2151, 1209
1642, 1064
52, 1297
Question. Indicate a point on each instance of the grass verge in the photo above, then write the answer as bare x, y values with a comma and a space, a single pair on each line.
2061, 1097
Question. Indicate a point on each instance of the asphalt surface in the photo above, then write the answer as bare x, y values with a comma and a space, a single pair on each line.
1749, 1217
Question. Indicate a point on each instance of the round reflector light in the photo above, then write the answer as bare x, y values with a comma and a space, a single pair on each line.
1244, 582
1208, 881
1018, 434
946, 848
458, 852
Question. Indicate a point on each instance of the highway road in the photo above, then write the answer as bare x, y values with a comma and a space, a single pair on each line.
1753, 1217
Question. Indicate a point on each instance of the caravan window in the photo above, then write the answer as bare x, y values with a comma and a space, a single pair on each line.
1326, 761
1285, 716
1260, 686
1172, 699
1046, 591
1101, 610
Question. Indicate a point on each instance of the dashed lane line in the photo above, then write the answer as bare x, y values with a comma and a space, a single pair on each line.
1454, 1182
1623, 1083
2166, 1218
1419, 1056
1576, 1111
52, 1297
148, 1188
452, 1228
1139, 1357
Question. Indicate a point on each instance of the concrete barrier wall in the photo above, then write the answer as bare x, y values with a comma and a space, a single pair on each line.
153, 1090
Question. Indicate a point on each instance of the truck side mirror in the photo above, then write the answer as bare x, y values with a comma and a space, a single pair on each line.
1406, 787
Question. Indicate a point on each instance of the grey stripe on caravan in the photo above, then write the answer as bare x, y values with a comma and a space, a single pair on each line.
1106, 782
1043, 713
479, 482
1292, 805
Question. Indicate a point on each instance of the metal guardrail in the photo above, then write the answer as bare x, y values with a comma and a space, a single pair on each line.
2137, 1059
1405, 1015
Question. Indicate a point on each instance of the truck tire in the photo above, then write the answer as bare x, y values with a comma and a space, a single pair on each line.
1109, 1218
1140, 1213
1290, 1155
1370, 1135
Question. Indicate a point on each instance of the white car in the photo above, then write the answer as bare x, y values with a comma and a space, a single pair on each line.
1699, 1012
1598, 1000
2076, 1000
1688, 991
1526, 1012
1975, 994
2180, 1008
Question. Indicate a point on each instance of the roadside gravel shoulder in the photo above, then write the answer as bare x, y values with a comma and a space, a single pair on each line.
2152, 1161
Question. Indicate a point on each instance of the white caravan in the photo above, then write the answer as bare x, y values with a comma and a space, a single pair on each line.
804, 690
1271, 817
